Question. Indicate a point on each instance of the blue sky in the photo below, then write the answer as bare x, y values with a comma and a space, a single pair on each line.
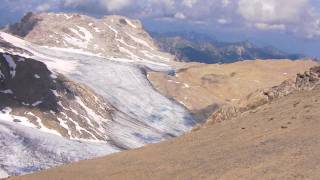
291, 25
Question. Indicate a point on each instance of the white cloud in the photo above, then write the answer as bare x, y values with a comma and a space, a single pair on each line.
189, 3
272, 10
313, 29
223, 21
74, 3
225, 3
115, 5
43, 7
179, 15
264, 26
296, 16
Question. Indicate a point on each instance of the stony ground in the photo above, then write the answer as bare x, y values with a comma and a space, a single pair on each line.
279, 140
203, 88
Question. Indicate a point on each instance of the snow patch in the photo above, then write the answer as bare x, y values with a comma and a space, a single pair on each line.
3, 174
68, 16
36, 76
186, 85
26, 150
7, 91
84, 35
140, 41
5, 114
131, 24
36, 103
97, 29
12, 65
21, 59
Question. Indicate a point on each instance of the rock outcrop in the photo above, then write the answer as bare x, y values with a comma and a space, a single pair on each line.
50, 101
112, 36
306, 81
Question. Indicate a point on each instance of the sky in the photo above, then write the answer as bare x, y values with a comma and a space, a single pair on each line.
290, 25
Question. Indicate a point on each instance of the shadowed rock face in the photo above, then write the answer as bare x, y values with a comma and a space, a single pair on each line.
29, 89
47, 120
22, 29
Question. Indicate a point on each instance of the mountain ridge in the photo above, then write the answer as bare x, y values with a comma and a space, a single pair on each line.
197, 47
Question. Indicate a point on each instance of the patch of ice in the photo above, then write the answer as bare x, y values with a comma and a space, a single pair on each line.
131, 24
21, 59
7, 91
84, 35
37, 76
140, 41
3, 174
11, 64
68, 16
25, 150
97, 29
186, 85
36, 103
5, 114
25, 104
53, 76
55, 93
113, 29
92, 115
2, 75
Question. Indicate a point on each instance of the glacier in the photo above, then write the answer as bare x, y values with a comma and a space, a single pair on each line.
142, 115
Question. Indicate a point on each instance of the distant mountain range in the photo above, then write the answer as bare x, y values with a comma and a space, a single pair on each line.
197, 47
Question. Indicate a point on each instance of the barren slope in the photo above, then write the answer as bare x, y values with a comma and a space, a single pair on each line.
279, 140
203, 88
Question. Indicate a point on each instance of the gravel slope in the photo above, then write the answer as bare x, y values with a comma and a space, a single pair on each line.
279, 140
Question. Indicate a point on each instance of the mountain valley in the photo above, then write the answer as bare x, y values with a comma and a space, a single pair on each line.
86, 87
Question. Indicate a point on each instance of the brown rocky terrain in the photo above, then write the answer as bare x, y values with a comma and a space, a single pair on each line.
305, 81
111, 36
204, 88
277, 140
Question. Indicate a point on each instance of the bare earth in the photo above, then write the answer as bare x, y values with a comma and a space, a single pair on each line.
279, 140
202, 88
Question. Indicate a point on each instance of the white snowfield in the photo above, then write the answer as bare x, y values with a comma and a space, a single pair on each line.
24, 149
141, 116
